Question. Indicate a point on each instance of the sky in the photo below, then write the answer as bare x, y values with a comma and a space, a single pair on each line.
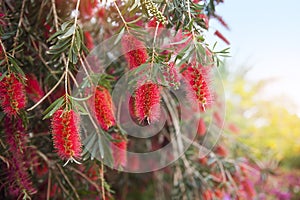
265, 35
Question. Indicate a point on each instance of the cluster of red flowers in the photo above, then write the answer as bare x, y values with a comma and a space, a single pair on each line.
147, 102
65, 131
101, 105
134, 51
12, 95
18, 176
198, 79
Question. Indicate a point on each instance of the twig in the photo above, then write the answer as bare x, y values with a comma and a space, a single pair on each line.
85, 177
102, 181
61, 185
42, 59
68, 181
71, 46
55, 14
18, 29
85, 105
49, 185
120, 14
46, 95
4, 51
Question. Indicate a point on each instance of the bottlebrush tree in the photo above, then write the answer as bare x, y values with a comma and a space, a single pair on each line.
61, 62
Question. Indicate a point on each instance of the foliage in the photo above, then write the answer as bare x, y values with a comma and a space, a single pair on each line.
46, 43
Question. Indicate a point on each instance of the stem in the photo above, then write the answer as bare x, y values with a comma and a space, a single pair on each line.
85, 105
55, 14
68, 181
85, 177
18, 30
120, 14
46, 95
4, 51
42, 59
102, 181
72, 43
49, 185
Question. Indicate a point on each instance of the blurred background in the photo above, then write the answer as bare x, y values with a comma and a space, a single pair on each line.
261, 80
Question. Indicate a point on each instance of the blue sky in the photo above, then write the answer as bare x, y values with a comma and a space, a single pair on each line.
265, 35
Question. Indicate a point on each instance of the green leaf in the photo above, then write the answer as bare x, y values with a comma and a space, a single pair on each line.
65, 25
81, 99
15, 66
3, 75
119, 36
70, 32
78, 41
181, 41
54, 35
53, 107
73, 56
89, 142
60, 47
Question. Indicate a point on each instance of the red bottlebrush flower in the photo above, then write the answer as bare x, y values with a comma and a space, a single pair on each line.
134, 50
248, 188
119, 147
33, 88
217, 33
201, 127
198, 80
233, 128
87, 7
19, 179
147, 102
221, 151
171, 75
16, 138
203, 160
65, 133
102, 107
219, 193
15, 135
220, 19
101, 12
89, 40
12, 96
207, 195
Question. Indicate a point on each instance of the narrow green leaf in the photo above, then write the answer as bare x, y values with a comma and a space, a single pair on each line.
119, 36
70, 32
54, 35
81, 99
15, 67
52, 105
3, 75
